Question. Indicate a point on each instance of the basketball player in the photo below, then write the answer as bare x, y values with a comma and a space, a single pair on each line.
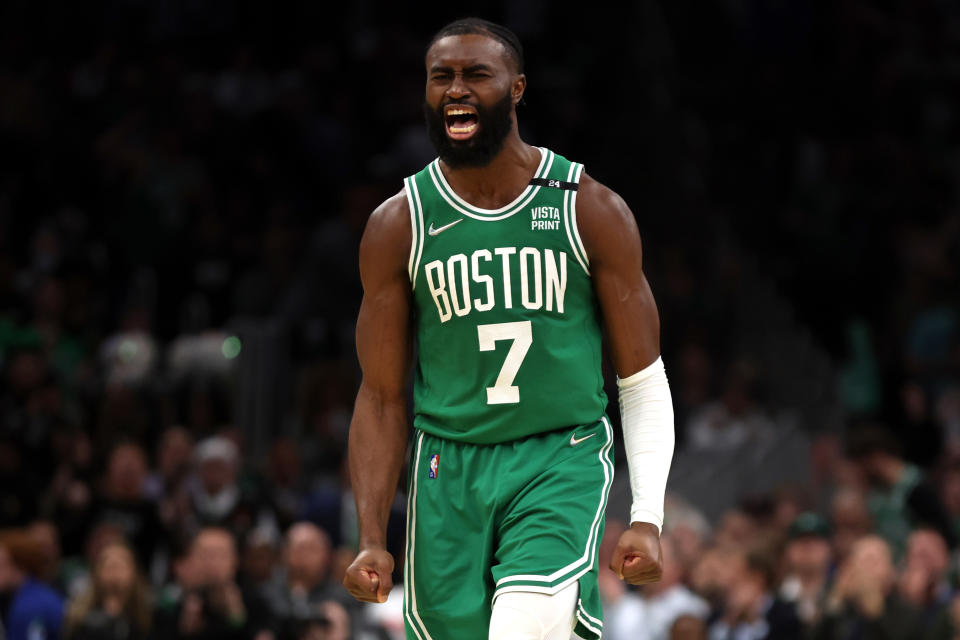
502, 260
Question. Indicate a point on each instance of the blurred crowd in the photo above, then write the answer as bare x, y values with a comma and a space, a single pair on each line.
172, 172
876, 558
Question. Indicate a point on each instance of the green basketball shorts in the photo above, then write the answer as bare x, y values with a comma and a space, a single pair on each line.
484, 520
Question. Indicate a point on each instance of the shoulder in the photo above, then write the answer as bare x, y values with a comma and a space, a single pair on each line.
392, 216
604, 219
387, 237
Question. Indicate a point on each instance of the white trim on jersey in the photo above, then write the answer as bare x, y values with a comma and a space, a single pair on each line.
503, 209
528, 194
414, 236
573, 214
418, 233
569, 218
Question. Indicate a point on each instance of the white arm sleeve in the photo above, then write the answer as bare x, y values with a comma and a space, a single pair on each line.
646, 412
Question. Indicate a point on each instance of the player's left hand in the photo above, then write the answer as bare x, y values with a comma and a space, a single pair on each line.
637, 558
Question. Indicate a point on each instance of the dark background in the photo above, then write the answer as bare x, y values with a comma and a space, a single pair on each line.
183, 186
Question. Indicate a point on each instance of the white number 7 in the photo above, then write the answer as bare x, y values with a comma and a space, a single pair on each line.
521, 333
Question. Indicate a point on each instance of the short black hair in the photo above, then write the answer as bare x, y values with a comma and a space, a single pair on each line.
479, 26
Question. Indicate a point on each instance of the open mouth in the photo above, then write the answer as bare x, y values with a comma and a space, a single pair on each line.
462, 121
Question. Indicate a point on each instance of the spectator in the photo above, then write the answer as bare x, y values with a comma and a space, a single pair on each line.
218, 498
306, 561
78, 569
46, 535
851, 521
901, 498
752, 611
116, 605
807, 560
124, 502
173, 463
259, 564
285, 482
863, 602
923, 581
212, 604
35, 610
715, 573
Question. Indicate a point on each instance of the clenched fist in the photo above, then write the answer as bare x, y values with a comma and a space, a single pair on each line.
368, 578
637, 558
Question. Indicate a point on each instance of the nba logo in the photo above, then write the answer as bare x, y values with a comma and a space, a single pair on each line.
434, 465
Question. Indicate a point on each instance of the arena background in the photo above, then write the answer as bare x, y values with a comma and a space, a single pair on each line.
182, 190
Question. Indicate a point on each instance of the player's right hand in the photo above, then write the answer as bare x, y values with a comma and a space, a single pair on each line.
368, 578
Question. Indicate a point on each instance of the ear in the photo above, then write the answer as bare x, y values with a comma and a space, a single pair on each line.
518, 88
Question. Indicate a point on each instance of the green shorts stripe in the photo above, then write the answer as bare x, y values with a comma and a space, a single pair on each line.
409, 593
593, 624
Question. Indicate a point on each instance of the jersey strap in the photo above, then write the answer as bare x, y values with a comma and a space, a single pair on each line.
570, 216
416, 228
556, 184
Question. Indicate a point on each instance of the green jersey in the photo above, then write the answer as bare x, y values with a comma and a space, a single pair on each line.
506, 320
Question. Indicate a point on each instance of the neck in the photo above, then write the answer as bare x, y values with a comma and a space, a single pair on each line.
498, 183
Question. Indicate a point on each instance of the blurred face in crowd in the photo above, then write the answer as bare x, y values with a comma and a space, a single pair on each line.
851, 520
927, 550
469, 104
284, 463
116, 570
808, 555
216, 474
173, 459
48, 539
746, 590
215, 556
950, 491
714, 575
871, 562
307, 554
126, 472
736, 530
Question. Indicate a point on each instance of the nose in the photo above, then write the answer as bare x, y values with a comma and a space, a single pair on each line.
457, 88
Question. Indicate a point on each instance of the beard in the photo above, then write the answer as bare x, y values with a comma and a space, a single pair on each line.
479, 150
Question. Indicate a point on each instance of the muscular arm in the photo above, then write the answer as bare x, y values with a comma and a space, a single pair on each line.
612, 242
378, 430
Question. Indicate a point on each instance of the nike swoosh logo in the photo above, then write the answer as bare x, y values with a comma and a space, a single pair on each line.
439, 230
574, 440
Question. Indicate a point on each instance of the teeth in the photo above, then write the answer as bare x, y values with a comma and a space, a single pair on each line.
466, 129
459, 112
